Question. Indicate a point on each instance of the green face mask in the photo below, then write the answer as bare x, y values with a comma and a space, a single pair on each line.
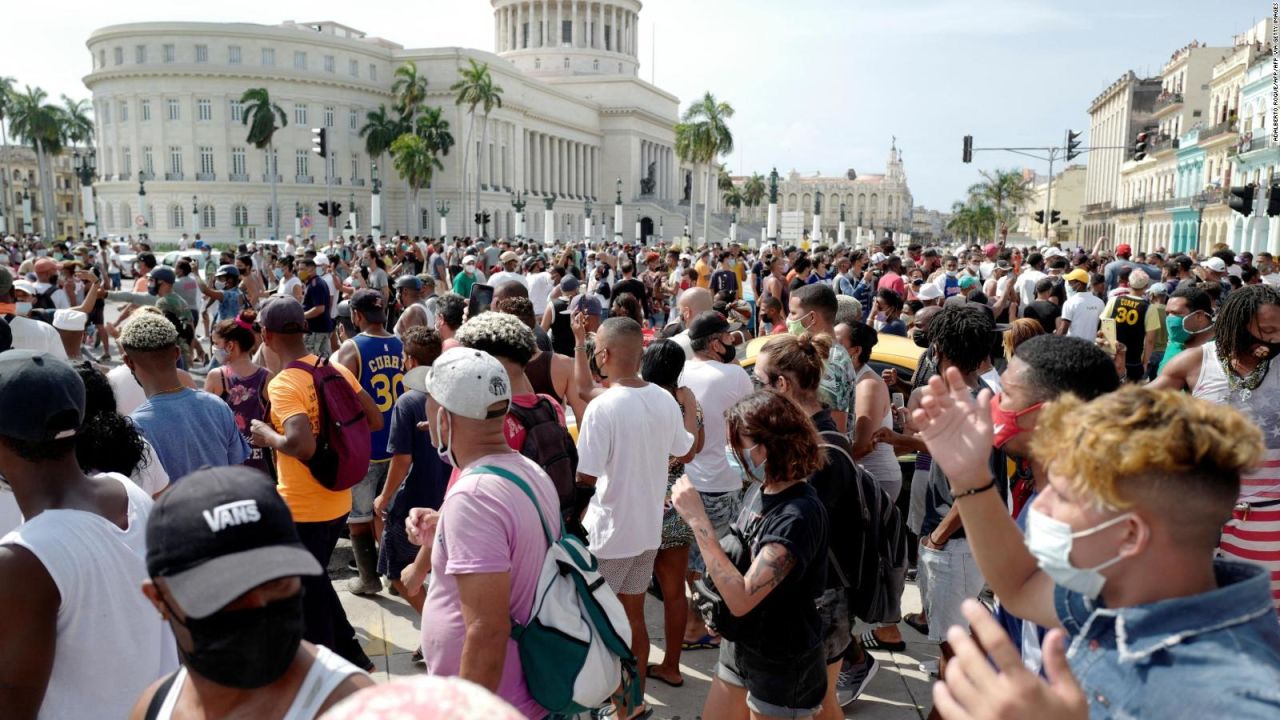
796, 327
1177, 331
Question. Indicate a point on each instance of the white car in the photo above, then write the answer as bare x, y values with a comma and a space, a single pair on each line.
171, 259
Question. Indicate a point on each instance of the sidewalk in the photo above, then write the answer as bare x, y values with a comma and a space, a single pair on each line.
390, 633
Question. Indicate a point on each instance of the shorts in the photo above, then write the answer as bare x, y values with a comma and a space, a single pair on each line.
675, 531
364, 492
722, 510
792, 687
317, 343
951, 577
396, 552
837, 630
629, 576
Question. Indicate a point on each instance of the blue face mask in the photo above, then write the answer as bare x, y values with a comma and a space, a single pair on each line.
279, 273
754, 470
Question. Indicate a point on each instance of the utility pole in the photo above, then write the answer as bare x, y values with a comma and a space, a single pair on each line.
328, 195
1048, 194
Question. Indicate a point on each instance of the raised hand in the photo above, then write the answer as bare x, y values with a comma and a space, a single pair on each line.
956, 428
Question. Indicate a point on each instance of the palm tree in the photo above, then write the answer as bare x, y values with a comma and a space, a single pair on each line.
260, 114
753, 191
38, 123
971, 220
711, 138
379, 131
1003, 189
77, 129
410, 90
416, 163
6, 106
434, 130
732, 197
474, 88
686, 150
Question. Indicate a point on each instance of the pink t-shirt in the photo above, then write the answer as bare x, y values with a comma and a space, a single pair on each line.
488, 525
893, 281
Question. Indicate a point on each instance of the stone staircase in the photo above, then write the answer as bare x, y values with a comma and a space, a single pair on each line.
675, 216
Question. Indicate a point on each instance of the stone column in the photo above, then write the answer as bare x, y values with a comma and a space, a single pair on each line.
546, 14
555, 36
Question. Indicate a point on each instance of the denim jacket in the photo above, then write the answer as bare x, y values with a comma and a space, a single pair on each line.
1215, 655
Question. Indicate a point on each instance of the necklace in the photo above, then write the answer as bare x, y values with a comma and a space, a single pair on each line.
1241, 388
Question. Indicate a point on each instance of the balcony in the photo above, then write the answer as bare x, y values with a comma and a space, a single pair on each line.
147, 175
1097, 207
175, 176
304, 179
266, 177
238, 177
1166, 100
1215, 130
357, 182
1161, 143
206, 177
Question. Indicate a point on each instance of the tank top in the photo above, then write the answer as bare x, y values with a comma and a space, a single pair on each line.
561, 328
1261, 405
381, 364
327, 671
98, 569
880, 462
247, 398
539, 373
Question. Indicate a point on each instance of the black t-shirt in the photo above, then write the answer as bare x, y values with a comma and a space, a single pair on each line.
317, 294
1044, 312
786, 623
636, 288
561, 329
835, 485
722, 280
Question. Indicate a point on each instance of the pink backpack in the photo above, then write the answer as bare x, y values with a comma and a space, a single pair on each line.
343, 448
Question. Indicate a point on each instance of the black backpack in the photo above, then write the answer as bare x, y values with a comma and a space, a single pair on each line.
873, 566
44, 300
549, 444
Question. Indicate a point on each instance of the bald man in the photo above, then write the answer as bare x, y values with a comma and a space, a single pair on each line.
693, 301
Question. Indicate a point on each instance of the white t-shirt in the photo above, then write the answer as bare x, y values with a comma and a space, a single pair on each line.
625, 439
1027, 286
286, 286
539, 291
1082, 311
333, 294
34, 335
151, 477
129, 394
504, 277
717, 386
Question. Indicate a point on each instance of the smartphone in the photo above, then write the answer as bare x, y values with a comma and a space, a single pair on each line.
899, 412
1108, 327
481, 299
1017, 263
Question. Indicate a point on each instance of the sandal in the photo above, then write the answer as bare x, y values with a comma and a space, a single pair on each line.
871, 642
913, 620
648, 673
706, 642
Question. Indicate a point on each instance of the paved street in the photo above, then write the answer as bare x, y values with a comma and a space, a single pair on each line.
389, 630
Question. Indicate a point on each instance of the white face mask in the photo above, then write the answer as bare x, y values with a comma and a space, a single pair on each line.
444, 451
1050, 541
22, 309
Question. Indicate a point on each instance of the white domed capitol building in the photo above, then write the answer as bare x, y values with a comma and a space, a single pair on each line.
575, 118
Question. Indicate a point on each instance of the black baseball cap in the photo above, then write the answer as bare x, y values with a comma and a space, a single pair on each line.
283, 315
41, 397
370, 304
220, 532
707, 323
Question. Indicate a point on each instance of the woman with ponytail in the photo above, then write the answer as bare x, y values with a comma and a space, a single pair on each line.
240, 383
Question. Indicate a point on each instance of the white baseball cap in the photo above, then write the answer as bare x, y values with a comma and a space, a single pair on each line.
465, 381
1215, 264
70, 320
929, 292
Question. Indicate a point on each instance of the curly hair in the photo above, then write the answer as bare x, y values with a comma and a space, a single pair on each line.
422, 344
147, 332
962, 334
1020, 331
500, 335
1116, 450
106, 441
1060, 364
801, 357
450, 307
1238, 310
518, 306
790, 440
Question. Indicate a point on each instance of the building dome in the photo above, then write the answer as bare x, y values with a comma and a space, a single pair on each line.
568, 37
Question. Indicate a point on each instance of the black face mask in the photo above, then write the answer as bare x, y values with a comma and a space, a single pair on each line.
248, 648
595, 367
727, 353
919, 338
1273, 348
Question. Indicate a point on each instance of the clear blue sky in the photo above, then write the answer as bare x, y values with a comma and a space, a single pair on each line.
819, 85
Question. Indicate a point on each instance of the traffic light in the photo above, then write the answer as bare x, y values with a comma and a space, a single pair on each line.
1073, 142
1054, 217
335, 209
968, 148
1040, 217
319, 142
1140, 145
1241, 200
1273, 200
324, 208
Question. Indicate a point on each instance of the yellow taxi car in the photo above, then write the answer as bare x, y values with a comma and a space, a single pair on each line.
891, 351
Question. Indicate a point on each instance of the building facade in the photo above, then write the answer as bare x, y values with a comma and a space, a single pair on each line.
575, 119
1255, 158
1116, 116
875, 203
19, 182
1066, 195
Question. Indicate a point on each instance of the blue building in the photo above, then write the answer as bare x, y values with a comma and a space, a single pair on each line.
1189, 193
1256, 159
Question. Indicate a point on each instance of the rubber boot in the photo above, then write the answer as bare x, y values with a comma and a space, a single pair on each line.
366, 554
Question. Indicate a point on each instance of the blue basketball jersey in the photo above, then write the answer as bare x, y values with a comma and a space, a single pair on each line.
381, 374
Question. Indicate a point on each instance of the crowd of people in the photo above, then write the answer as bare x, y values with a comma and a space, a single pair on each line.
1093, 500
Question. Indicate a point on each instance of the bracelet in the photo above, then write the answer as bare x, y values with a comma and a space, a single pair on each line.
975, 491
579, 348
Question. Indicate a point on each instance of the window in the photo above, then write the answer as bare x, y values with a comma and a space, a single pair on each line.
566, 32
176, 216
328, 116
354, 117
206, 160
170, 54
299, 60
268, 57
333, 165
202, 53
124, 111
204, 109
117, 54
275, 161
238, 166
299, 114
126, 163
355, 166
237, 111
148, 164
608, 37
353, 68
271, 216
373, 72
102, 58
302, 163
328, 63
208, 217
175, 111
140, 54
145, 107
175, 160
233, 54
239, 215
106, 113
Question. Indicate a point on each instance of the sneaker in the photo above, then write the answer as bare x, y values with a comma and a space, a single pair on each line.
854, 678
357, 586
930, 668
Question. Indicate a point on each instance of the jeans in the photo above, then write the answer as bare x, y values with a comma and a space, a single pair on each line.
317, 343
323, 617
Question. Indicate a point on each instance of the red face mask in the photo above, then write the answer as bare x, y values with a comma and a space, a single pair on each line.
1005, 423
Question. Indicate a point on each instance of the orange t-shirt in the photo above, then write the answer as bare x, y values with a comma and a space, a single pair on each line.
293, 393
704, 274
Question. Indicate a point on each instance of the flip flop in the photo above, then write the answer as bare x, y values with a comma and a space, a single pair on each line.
706, 642
913, 620
871, 642
648, 673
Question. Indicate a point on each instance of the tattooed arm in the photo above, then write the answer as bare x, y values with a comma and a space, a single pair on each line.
742, 594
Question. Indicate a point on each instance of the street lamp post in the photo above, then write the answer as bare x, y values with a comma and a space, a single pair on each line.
353, 221
518, 202
27, 225
586, 235
1142, 211
840, 236
375, 204
617, 215
1199, 204
297, 219
771, 228
443, 209
195, 216
142, 202
85, 167
549, 222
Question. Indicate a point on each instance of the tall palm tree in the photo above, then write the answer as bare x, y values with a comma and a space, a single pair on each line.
971, 220
260, 114
410, 90
434, 130
6, 106
1004, 190
753, 191
77, 130
732, 197
475, 88
686, 150
416, 163
711, 139
39, 123
379, 131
